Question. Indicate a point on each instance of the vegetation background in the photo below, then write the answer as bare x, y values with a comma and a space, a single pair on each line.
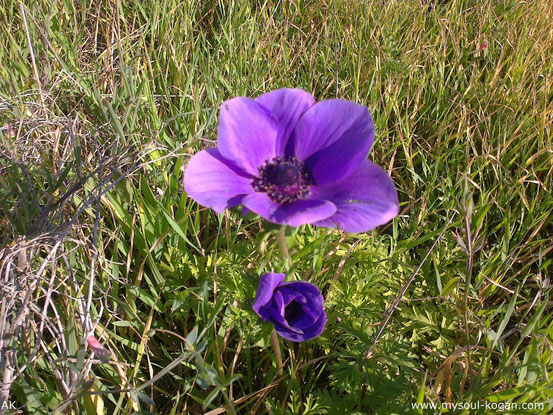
103, 102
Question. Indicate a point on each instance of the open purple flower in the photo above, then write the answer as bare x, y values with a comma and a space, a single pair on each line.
293, 161
295, 308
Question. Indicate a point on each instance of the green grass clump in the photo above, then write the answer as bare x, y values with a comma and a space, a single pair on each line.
101, 106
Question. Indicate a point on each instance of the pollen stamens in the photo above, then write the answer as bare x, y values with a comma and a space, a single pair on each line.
284, 179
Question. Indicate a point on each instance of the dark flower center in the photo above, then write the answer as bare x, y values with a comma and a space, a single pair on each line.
293, 312
284, 179
285, 174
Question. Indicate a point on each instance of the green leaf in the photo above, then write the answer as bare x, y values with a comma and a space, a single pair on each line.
506, 318
420, 394
450, 286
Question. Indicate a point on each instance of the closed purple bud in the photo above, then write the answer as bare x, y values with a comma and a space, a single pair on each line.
295, 308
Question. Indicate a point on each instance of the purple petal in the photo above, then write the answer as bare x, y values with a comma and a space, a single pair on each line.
283, 298
264, 294
286, 106
282, 325
288, 295
365, 200
213, 182
308, 333
311, 293
302, 287
312, 302
333, 137
294, 214
277, 313
278, 302
247, 133
316, 329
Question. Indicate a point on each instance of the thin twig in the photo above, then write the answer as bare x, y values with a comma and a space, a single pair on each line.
468, 276
87, 324
32, 53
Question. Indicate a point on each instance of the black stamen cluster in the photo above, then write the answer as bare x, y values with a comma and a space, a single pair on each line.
268, 180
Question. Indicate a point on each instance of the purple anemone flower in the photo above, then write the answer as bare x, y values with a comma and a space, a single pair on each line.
295, 308
293, 161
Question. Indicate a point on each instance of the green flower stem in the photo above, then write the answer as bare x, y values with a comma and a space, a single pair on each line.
283, 245
278, 355
284, 251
